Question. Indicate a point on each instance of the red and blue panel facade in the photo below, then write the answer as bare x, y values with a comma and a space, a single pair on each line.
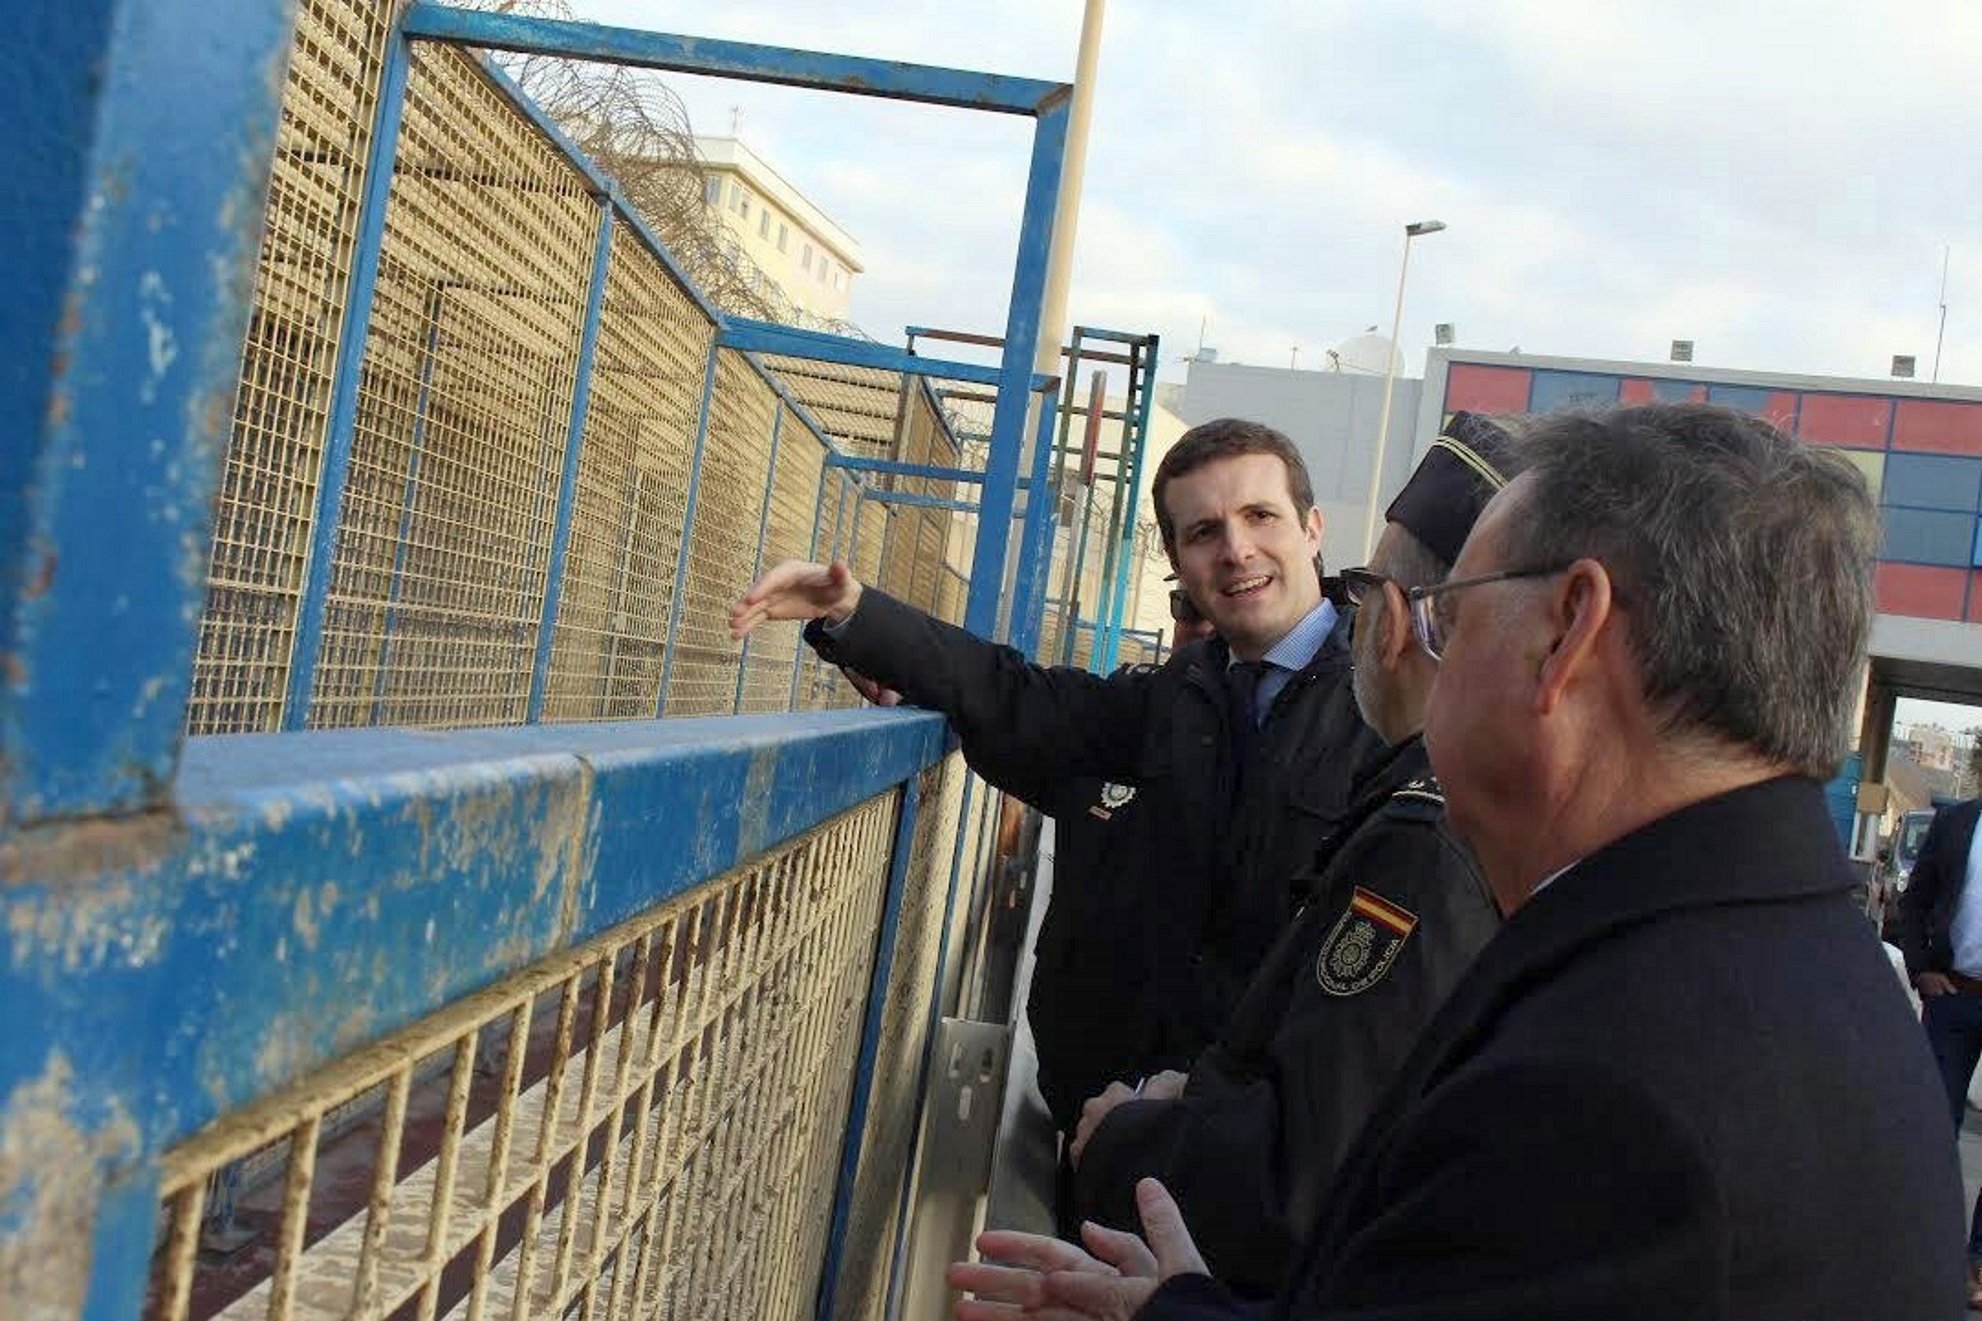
1922, 457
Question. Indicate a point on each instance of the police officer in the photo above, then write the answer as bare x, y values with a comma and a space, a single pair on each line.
1393, 917
1249, 741
1104, 1002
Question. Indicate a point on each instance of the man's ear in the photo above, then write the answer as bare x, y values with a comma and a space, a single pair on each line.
1396, 637
1312, 523
1579, 609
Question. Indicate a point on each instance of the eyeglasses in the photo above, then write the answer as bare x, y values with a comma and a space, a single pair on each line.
1362, 582
1432, 630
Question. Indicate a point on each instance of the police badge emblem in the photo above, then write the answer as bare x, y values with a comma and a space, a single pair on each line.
1365, 942
1113, 796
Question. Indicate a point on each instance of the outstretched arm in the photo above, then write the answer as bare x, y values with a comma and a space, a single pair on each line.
1025, 727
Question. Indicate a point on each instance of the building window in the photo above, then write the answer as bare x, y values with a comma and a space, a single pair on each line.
784, 233
823, 264
764, 223
743, 206
712, 191
805, 262
837, 281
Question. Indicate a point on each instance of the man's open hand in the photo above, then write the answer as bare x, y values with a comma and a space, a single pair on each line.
1033, 1275
796, 589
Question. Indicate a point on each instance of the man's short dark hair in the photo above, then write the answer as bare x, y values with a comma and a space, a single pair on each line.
1227, 438
1742, 560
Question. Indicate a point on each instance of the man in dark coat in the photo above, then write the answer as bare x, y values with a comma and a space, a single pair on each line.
1249, 740
1681, 1082
1396, 912
1940, 932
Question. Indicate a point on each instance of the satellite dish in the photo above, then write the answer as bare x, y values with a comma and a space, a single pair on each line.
1366, 354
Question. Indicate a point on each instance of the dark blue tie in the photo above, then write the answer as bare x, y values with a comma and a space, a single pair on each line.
1242, 696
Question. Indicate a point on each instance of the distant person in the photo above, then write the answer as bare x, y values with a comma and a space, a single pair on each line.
1250, 740
1681, 1082
1940, 932
1394, 915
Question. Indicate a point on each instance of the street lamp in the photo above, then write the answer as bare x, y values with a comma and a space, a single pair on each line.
1413, 230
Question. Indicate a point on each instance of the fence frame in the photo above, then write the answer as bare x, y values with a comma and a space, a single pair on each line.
199, 923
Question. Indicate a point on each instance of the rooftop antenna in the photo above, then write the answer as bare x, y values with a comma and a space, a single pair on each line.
735, 120
1938, 334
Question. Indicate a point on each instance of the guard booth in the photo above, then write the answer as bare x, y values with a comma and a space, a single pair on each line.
416, 905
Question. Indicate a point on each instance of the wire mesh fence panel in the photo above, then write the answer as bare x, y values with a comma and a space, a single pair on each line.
269, 482
647, 1125
856, 406
640, 420
893, 1111
722, 546
445, 536
464, 386
772, 649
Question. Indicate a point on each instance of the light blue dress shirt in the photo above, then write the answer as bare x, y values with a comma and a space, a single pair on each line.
1292, 654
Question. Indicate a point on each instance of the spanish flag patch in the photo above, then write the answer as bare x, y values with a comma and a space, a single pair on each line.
1364, 944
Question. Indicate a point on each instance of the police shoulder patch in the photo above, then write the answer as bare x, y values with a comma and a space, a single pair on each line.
1364, 944
1419, 800
1113, 798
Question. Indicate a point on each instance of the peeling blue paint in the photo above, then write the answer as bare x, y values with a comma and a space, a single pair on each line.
284, 920
736, 59
130, 277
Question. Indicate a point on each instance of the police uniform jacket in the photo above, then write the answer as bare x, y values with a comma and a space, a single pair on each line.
1682, 1082
1394, 919
1940, 873
1105, 1001
1226, 852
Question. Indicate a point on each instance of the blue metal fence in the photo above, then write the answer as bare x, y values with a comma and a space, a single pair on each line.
481, 430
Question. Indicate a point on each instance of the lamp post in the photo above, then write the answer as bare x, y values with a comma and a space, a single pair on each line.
1411, 231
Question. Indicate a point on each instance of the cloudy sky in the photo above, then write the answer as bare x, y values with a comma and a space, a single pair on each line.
1775, 181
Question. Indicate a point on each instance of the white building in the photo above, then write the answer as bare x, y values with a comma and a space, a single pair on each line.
783, 232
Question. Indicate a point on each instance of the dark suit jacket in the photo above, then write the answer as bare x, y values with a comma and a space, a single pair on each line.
1223, 882
1926, 910
1681, 1083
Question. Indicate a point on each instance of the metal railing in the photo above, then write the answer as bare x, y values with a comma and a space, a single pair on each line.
377, 952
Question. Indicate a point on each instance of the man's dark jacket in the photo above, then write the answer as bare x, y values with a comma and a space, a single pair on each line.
1230, 854
1926, 910
1682, 1082
1249, 1148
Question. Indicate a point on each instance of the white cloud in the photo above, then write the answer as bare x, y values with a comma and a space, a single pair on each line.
1774, 180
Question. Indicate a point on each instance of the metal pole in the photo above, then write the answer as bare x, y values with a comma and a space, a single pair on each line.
574, 444
812, 552
1045, 261
340, 430
1022, 333
880, 983
1073, 592
763, 530
672, 639
1383, 414
1125, 560
1940, 334
1411, 231
1035, 544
